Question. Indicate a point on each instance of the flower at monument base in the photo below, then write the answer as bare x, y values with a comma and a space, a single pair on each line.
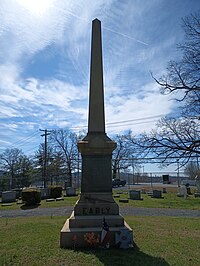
92, 239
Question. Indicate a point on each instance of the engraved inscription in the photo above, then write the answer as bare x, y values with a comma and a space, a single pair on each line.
96, 211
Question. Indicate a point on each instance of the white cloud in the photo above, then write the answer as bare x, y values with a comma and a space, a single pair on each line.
29, 29
133, 107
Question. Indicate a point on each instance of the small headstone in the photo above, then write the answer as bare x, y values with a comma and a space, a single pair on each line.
124, 200
182, 192
157, 194
116, 196
8, 196
70, 191
164, 190
59, 199
6, 204
50, 200
143, 191
135, 194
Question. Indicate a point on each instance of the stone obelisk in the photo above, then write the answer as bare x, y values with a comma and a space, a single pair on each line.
96, 201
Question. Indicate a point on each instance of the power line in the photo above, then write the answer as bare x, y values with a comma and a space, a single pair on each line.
25, 138
22, 141
151, 121
126, 121
132, 120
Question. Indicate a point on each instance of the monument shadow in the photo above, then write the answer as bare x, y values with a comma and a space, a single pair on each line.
128, 257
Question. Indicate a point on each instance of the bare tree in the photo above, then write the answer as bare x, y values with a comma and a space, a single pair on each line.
173, 139
184, 76
65, 143
123, 154
179, 138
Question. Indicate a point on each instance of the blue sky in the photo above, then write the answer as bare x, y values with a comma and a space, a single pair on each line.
45, 57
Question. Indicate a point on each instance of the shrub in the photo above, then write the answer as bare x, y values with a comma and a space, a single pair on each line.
55, 191
31, 197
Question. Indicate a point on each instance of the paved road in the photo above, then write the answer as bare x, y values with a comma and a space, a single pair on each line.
66, 211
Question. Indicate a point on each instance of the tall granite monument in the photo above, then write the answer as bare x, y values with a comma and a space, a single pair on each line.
96, 201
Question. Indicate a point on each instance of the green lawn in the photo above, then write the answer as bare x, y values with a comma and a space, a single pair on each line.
170, 201
161, 241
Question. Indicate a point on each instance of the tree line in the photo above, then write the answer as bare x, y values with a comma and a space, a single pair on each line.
62, 160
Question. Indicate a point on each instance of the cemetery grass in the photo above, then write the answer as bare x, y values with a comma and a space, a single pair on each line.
161, 241
170, 201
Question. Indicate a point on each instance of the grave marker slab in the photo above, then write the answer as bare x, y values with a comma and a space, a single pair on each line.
8, 196
157, 194
182, 192
135, 195
70, 191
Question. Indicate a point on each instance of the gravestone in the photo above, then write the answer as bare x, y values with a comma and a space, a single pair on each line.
135, 195
59, 199
50, 200
124, 200
164, 190
70, 191
182, 192
96, 202
157, 194
8, 196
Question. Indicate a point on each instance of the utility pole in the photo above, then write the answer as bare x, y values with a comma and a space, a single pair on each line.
46, 133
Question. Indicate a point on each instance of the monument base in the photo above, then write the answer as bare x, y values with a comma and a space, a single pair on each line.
98, 203
76, 229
